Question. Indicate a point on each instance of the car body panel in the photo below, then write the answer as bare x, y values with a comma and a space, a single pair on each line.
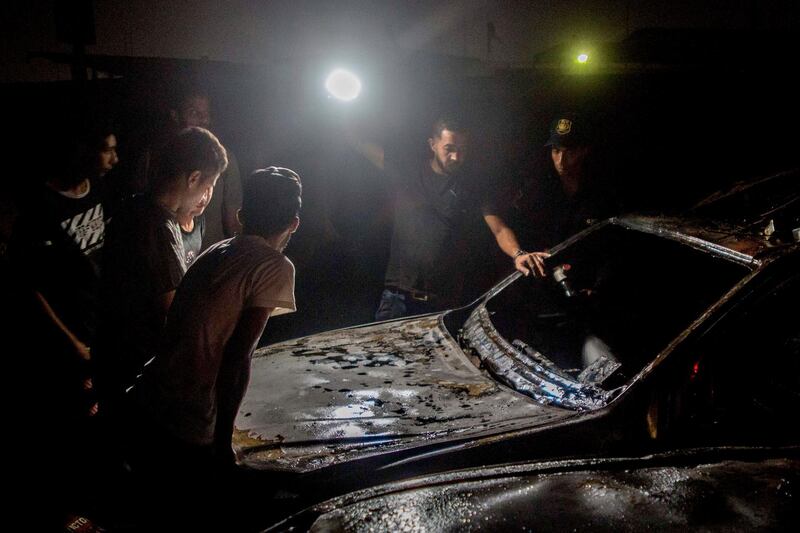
402, 393
720, 489
359, 391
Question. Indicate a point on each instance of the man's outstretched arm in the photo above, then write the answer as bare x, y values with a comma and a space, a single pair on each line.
525, 262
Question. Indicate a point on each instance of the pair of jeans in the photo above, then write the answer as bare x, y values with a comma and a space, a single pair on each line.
397, 304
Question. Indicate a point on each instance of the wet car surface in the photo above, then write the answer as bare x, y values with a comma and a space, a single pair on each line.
400, 383
734, 490
658, 335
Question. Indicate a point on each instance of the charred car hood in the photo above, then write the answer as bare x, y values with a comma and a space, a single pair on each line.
374, 389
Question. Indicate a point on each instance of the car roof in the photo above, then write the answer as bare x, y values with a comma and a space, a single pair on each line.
746, 222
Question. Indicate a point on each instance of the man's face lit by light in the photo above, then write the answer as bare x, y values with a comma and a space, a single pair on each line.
449, 149
198, 196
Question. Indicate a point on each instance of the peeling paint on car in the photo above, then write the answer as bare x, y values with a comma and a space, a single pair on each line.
373, 388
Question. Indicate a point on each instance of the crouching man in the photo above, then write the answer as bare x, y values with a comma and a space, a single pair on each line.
188, 397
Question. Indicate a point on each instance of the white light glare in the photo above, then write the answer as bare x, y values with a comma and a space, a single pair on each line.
583, 58
343, 85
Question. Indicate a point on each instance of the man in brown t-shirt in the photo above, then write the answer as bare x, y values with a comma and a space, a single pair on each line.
186, 402
192, 390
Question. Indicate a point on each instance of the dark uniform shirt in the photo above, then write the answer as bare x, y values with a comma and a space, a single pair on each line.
429, 212
550, 216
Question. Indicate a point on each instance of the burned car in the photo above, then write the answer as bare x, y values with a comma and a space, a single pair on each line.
710, 489
650, 335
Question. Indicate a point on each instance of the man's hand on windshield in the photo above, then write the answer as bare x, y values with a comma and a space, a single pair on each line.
531, 262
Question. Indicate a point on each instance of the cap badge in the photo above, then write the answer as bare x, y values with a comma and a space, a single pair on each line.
564, 126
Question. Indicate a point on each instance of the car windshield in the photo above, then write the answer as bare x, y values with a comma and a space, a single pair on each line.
612, 301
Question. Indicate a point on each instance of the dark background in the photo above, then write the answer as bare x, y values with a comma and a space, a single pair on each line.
680, 110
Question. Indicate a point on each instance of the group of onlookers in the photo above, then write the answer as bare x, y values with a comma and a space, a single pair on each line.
150, 299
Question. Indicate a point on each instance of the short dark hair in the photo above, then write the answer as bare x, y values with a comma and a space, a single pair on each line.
93, 135
447, 122
272, 198
191, 149
79, 140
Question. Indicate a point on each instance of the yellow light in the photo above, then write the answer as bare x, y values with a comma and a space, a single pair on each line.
583, 58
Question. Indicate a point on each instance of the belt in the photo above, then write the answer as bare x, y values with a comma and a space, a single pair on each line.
415, 294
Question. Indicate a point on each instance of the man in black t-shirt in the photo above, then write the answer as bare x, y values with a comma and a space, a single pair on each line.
145, 259
59, 236
432, 197
55, 254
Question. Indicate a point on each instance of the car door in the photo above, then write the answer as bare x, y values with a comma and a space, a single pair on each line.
739, 383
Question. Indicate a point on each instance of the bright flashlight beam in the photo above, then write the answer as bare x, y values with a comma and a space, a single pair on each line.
343, 85
583, 58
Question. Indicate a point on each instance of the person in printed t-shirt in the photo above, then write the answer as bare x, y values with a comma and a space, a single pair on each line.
57, 241
53, 285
